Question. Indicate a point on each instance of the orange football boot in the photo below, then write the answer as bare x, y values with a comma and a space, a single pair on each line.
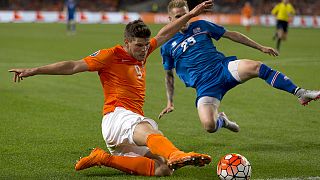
94, 159
181, 159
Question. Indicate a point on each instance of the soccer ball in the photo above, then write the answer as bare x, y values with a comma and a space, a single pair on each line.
234, 167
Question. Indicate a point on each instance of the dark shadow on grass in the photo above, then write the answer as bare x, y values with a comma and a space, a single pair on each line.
105, 174
187, 173
102, 172
114, 174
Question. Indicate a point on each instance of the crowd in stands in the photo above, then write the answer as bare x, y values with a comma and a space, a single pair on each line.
58, 5
303, 7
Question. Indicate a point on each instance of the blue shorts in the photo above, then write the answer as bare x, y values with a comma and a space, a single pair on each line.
217, 85
71, 16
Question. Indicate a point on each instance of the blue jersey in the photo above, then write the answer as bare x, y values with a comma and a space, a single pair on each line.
71, 7
193, 53
197, 61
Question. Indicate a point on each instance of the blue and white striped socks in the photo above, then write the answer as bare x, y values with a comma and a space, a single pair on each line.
276, 79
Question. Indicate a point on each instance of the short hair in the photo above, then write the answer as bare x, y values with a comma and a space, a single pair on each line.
177, 4
136, 28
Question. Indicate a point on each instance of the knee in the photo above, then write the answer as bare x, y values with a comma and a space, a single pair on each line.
208, 113
212, 129
252, 68
248, 69
210, 126
163, 170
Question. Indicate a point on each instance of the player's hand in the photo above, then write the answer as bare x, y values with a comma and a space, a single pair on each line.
166, 110
202, 7
270, 51
19, 74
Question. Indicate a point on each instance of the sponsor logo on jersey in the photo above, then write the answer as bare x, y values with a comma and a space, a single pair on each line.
95, 53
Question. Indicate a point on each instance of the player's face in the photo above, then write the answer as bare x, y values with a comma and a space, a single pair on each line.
176, 13
138, 47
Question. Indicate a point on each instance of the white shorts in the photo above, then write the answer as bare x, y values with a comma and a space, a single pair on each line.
246, 21
207, 100
117, 131
233, 69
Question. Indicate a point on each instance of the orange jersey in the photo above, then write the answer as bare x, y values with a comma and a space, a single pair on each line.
246, 11
122, 77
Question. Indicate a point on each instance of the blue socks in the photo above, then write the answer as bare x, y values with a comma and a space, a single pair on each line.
276, 79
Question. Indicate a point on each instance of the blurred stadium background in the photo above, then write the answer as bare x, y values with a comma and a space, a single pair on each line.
305, 7
151, 11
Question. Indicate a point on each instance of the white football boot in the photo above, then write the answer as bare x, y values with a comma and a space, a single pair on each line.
232, 126
305, 96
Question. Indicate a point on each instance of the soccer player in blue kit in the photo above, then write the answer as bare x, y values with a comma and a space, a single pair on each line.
70, 6
200, 65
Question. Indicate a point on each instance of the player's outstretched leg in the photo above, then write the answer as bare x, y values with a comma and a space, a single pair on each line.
181, 159
278, 80
232, 126
305, 96
160, 145
139, 165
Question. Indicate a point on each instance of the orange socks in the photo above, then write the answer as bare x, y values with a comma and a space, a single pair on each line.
157, 143
160, 145
132, 165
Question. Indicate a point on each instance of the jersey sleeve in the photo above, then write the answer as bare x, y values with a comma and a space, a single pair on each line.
153, 45
275, 10
99, 59
167, 61
216, 31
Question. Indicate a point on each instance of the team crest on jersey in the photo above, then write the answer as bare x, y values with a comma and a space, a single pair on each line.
196, 30
95, 53
174, 44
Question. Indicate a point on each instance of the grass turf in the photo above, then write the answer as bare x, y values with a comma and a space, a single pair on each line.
47, 122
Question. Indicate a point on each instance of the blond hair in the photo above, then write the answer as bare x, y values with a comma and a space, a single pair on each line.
177, 4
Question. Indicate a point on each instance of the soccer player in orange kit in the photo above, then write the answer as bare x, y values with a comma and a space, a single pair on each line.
136, 145
246, 13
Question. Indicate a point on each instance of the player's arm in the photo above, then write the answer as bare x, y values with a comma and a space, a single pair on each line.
169, 79
275, 10
60, 68
172, 28
241, 38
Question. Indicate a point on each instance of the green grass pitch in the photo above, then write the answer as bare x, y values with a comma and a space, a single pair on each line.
48, 122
